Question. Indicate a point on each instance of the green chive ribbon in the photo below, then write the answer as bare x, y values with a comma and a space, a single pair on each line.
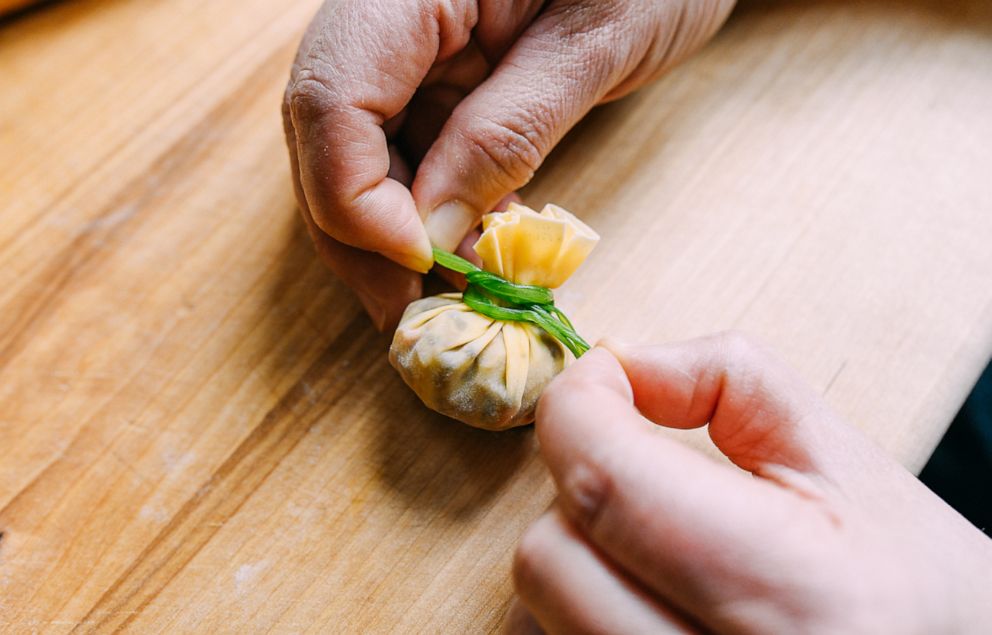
500, 299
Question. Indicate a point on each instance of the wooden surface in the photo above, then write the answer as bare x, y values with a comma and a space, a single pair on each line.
198, 428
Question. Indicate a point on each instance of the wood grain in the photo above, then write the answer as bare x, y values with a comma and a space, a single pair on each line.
200, 430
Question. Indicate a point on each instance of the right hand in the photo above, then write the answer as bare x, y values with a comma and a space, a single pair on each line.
472, 93
815, 531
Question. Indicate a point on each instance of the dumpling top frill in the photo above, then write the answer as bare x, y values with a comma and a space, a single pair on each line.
536, 248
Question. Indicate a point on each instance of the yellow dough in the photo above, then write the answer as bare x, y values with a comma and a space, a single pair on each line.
484, 372
527, 247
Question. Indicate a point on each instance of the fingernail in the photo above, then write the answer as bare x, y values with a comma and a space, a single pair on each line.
613, 344
420, 260
448, 224
376, 311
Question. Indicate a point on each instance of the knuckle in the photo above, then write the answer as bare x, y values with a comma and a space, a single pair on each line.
748, 365
739, 346
307, 94
586, 491
287, 114
531, 554
513, 150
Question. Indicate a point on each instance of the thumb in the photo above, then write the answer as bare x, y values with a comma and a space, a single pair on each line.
759, 412
494, 141
694, 531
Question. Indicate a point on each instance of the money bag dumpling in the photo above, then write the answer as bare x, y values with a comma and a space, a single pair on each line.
487, 372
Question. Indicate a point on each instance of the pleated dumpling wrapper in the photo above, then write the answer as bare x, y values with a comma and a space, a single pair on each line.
485, 372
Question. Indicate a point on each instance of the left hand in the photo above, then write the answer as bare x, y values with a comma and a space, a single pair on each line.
407, 120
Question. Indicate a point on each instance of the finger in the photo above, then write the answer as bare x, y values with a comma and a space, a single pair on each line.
399, 169
504, 202
383, 287
466, 248
360, 69
569, 588
440, 92
761, 415
559, 68
519, 621
687, 527
448, 83
501, 23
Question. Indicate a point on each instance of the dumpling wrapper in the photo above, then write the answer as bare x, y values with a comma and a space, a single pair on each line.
528, 247
483, 372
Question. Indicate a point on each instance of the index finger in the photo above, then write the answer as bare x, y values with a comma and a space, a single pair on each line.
359, 67
684, 525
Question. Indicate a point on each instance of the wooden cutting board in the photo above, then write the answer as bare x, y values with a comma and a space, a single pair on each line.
198, 427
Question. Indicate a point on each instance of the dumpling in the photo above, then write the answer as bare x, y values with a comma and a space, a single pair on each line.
486, 372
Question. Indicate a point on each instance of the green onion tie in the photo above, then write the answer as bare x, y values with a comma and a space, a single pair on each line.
499, 299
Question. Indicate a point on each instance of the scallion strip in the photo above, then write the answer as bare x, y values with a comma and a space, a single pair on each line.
449, 260
505, 290
500, 299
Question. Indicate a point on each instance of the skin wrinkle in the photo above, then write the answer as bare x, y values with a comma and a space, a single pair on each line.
499, 26
700, 388
545, 114
684, 36
522, 134
589, 488
450, 28
349, 227
320, 58
679, 35
602, 496
807, 487
579, 17
739, 357
635, 585
668, 51
345, 225
754, 440
371, 102
642, 70
525, 156
555, 543
597, 40
351, 48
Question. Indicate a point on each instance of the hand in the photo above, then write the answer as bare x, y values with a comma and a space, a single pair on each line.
474, 93
830, 535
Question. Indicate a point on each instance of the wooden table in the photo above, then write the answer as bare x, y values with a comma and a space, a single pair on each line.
198, 427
